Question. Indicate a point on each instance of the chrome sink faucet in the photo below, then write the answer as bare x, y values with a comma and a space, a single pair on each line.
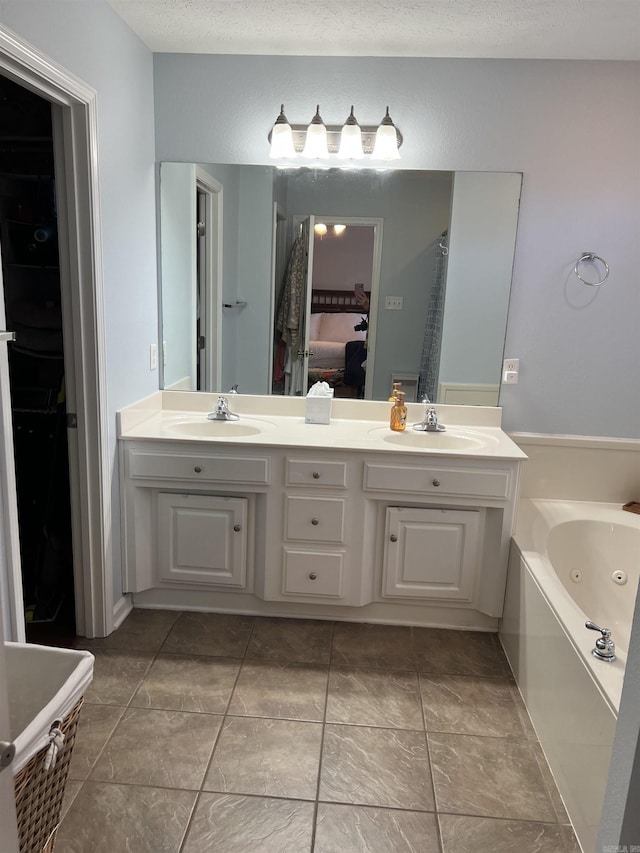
430, 422
222, 411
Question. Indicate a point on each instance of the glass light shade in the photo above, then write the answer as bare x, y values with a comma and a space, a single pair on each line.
282, 142
339, 229
315, 145
351, 140
386, 144
320, 228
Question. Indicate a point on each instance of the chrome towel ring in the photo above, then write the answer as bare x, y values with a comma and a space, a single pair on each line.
590, 256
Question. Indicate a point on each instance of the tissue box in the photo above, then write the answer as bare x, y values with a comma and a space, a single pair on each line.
318, 410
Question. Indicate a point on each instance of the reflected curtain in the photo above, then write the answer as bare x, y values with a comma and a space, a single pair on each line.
290, 317
430, 360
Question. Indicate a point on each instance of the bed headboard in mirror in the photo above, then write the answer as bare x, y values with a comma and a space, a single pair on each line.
437, 282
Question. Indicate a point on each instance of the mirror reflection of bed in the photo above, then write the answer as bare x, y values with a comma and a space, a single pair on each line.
337, 348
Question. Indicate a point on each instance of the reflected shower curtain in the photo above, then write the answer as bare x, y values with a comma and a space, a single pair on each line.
430, 360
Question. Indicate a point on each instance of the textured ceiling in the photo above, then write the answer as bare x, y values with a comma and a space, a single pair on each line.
511, 29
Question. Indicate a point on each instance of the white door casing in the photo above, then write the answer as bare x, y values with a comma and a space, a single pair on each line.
80, 244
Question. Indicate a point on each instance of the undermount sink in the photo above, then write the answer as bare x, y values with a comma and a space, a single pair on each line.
450, 439
220, 429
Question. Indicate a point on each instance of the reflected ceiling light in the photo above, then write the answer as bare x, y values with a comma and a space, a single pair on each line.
387, 143
315, 146
350, 139
338, 230
320, 228
281, 138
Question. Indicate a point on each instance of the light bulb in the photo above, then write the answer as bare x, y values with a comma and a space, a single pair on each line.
386, 144
281, 138
315, 145
351, 139
338, 229
320, 228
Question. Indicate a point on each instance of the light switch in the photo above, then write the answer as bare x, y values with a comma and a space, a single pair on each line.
393, 303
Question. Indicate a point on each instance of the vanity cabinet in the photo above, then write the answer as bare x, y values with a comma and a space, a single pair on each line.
359, 534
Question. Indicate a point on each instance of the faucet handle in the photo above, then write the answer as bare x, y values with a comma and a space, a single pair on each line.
606, 632
605, 647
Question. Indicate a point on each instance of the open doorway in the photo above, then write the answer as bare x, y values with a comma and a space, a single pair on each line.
32, 302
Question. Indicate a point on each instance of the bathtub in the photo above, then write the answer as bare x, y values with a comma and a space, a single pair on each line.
569, 562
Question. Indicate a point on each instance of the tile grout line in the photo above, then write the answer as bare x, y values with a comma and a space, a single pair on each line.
314, 822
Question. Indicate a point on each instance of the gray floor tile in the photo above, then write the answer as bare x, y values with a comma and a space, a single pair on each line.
271, 758
116, 675
448, 652
377, 767
96, 724
365, 829
463, 834
236, 824
489, 777
274, 689
374, 697
142, 631
71, 791
108, 818
467, 704
217, 634
362, 644
550, 785
188, 683
159, 748
296, 640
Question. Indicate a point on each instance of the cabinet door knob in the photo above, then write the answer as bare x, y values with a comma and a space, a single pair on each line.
312, 576
315, 522
435, 482
393, 537
316, 475
197, 469
237, 527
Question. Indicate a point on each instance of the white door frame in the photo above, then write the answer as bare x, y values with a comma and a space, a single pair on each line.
377, 224
81, 276
211, 304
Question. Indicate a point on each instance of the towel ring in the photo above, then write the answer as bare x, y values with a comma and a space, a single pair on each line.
589, 256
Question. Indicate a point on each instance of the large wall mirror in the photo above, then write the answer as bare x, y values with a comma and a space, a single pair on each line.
272, 279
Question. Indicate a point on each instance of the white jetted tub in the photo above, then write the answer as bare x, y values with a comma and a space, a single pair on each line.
572, 562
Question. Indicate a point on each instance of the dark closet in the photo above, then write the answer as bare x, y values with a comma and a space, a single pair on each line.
31, 275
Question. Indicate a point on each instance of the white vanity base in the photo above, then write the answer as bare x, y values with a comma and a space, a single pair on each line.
420, 615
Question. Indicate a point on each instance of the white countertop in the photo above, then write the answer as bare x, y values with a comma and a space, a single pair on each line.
355, 425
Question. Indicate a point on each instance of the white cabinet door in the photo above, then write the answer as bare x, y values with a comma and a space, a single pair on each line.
202, 539
431, 553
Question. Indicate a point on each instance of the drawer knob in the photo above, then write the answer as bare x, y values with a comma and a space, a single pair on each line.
393, 537
315, 522
312, 576
316, 475
435, 483
237, 528
197, 469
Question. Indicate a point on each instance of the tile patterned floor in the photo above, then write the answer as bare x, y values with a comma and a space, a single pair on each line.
209, 733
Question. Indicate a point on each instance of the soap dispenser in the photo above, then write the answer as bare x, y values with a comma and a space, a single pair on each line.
398, 420
394, 392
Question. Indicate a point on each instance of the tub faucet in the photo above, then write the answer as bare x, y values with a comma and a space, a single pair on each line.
430, 421
605, 647
222, 412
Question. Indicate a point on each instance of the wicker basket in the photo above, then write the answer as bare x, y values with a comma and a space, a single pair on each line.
39, 792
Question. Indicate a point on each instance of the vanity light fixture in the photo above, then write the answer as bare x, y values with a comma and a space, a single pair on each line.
350, 139
320, 228
339, 230
348, 142
282, 138
315, 145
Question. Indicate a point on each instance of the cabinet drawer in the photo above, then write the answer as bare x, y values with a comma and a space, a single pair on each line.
434, 480
303, 472
313, 574
198, 467
315, 519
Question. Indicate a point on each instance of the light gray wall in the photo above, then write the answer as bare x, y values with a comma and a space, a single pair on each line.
178, 271
570, 127
90, 40
484, 216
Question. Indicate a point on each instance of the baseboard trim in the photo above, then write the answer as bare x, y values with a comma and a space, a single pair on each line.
121, 609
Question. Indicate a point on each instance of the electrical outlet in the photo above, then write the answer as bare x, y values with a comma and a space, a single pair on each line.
510, 371
393, 303
153, 357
